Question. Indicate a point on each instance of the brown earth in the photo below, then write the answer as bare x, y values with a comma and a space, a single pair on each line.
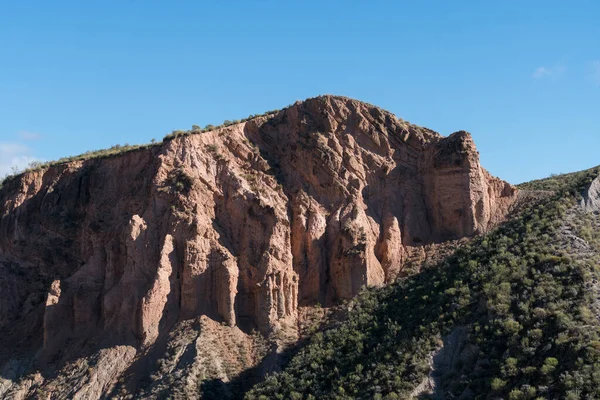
104, 262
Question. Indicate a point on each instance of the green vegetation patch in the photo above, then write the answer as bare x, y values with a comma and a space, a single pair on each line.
576, 181
524, 302
197, 129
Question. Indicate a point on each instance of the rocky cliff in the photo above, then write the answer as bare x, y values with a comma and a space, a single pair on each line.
102, 259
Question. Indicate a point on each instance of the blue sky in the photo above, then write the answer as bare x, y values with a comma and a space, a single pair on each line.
522, 76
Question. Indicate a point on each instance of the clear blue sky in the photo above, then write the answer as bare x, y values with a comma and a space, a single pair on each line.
522, 76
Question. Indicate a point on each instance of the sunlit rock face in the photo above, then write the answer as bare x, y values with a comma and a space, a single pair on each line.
100, 259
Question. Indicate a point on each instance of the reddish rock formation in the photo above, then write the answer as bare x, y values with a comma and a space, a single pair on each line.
241, 224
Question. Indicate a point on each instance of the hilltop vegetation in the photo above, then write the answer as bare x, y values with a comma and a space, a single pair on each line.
126, 148
515, 307
575, 181
176, 133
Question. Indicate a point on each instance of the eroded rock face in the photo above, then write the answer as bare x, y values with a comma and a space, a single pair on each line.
591, 197
241, 224
363, 186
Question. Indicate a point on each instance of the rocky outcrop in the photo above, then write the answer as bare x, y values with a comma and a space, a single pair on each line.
591, 197
363, 185
463, 199
241, 224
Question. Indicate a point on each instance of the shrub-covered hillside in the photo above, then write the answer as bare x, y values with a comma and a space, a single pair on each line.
511, 315
556, 183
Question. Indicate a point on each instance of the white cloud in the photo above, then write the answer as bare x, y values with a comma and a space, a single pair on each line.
540, 72
14, 157
549, 72
29, 136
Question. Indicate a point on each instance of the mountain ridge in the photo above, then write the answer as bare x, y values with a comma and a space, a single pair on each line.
122, 149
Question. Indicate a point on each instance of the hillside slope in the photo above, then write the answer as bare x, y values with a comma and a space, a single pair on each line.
119, 270
512, 315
